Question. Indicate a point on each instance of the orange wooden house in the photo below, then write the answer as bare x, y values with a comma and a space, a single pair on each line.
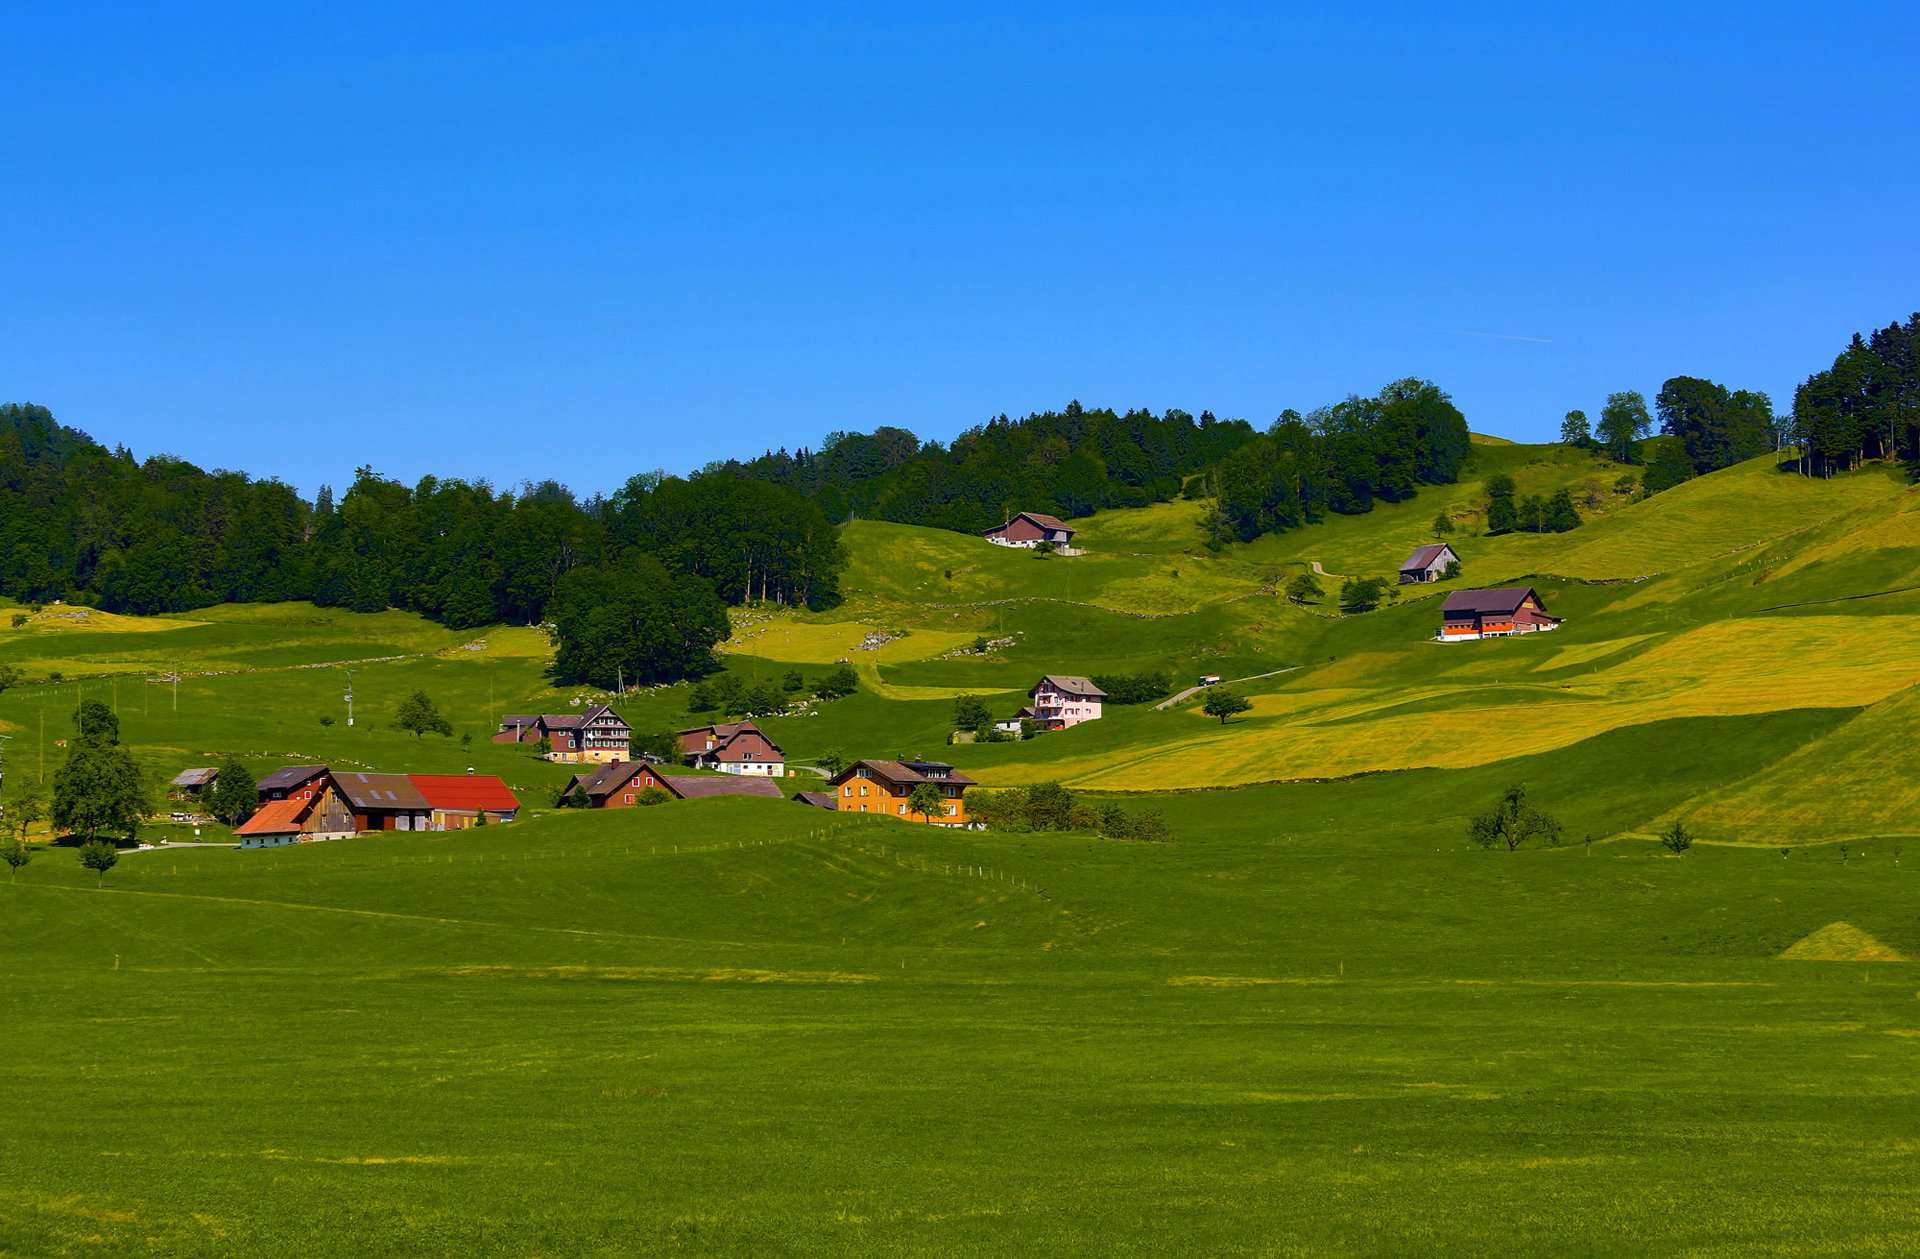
882, 787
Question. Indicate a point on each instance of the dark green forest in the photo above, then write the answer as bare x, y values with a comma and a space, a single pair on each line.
1341, 458
1866, 406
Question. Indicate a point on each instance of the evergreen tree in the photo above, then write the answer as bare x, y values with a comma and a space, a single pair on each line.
1561, 515
1670, 466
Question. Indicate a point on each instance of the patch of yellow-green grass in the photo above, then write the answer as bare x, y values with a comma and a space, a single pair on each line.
57, 619
1709, 516
524, 641
1858, 780
1161, 528
1721, 669
1840, 942
789, 638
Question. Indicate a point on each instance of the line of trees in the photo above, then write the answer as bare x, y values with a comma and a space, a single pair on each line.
1341, 458
1067, 463
83, 523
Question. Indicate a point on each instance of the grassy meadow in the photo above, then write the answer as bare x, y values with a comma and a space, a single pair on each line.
1318, 1022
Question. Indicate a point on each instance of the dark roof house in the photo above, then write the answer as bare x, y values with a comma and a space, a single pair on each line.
1427, 563
1494, 613
1031, 528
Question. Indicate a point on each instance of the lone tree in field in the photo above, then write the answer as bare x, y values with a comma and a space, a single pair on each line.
418, 716
970, 713
1676, 838
1513, 822
235, 794
100, 788
15, 854
1363, 594
23, 808
1222, 703
1442, 525
1305, 588
99, 856
926, 801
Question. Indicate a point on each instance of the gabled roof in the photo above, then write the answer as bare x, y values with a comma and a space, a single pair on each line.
1038, 518
276, 817
465, 791
1499, 599
700, 786
723, 735
193, 777
818, 799
291, 776
607, 779
380, 791
903, 774
1070, 684
1423, 557
518, 719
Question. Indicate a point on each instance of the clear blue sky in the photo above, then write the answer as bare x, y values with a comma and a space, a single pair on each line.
523, 241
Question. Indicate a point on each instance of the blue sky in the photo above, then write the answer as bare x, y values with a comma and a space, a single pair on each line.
485, 241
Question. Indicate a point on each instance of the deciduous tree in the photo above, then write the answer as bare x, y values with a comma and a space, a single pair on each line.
925, 800
419, 716
99, 856
1513, 821
1223, 703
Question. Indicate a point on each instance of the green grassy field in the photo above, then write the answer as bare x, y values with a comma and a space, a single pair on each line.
792, 1033
1319, 1022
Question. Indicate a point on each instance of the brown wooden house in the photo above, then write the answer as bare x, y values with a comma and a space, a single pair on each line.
735, 747
620, 786
1508, 610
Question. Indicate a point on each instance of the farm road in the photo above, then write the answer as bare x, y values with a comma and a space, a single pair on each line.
1191, 691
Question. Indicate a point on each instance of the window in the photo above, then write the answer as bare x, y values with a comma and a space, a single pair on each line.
629, 797
953, 810
847, 790
903, 810
863, 789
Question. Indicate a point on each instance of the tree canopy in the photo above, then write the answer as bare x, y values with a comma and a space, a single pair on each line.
635, 621
1865, 406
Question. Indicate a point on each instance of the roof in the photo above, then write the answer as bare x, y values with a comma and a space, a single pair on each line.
1038, 518
276, 817
1423, 557
193, 777
380, 791
563, 721
724, 734
818, 799
903, 773
1500, 599
518, 719
607, 778
1071, 684
466, 791
291, 776
699, 786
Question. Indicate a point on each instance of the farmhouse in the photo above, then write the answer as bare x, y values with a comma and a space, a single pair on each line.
190, 784
598, 734
1471, 614
319, 813
1061, 700
619, 786
1011, 725
295, 782
384, 802
735, 747
883, 787
458, 800
1030, 528
1427, 563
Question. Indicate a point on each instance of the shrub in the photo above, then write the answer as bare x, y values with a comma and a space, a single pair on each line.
1134, 688
652, 796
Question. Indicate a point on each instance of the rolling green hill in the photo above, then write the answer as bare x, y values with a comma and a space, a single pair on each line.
1320, 1021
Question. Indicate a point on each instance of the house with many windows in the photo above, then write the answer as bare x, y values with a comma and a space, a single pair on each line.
1063, 700
882, 787
598, 734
